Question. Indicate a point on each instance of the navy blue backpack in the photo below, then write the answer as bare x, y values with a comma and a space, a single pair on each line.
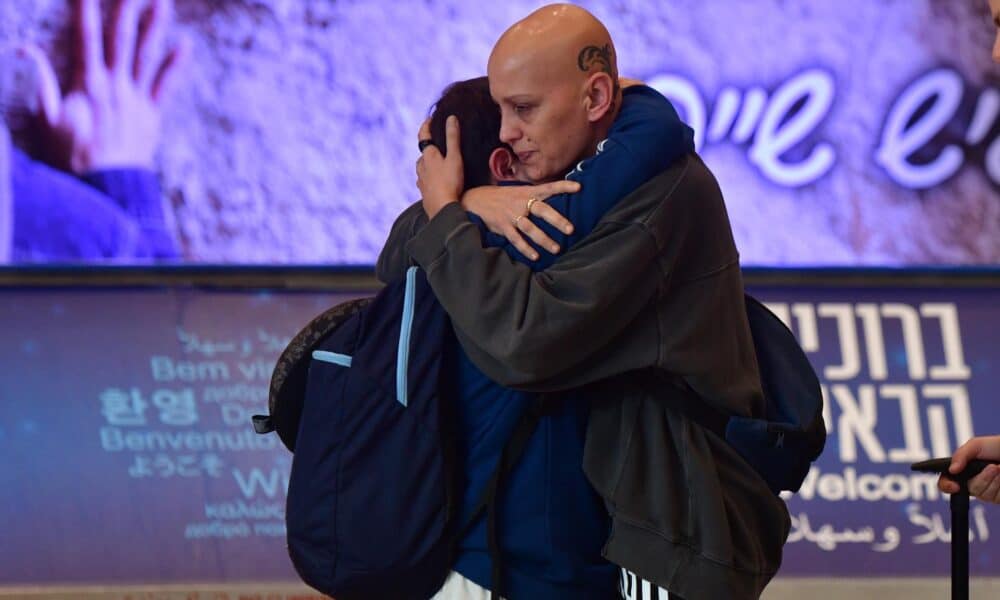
373, 499
782, 444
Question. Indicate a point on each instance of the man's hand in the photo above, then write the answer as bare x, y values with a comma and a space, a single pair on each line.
440, 178
110, 118
504, 210
986, 485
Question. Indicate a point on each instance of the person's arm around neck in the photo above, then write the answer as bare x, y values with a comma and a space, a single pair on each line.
648, 137
523, 328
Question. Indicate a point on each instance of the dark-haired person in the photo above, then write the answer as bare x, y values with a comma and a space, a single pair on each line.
552, 525
487, 162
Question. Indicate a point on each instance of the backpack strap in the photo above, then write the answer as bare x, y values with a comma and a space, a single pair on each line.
543, 406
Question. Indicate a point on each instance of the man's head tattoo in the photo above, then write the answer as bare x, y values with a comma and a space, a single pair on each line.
592, 55
601, 57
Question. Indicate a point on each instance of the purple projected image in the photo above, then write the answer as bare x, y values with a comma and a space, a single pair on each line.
841, 133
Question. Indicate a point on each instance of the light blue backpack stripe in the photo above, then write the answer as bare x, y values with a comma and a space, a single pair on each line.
332, 357
403, 353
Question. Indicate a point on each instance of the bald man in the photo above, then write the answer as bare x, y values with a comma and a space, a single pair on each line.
555, 77
552, 113
642, 318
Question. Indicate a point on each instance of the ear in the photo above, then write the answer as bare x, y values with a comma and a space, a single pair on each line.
502, 165
600, 95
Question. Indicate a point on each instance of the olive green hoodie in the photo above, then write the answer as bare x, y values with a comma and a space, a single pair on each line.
656, 288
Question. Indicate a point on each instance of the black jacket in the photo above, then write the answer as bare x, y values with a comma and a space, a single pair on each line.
648, 313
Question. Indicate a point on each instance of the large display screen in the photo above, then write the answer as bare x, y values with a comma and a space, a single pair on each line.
843, 133
129, 455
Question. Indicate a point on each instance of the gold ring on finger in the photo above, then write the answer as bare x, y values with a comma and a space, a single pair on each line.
517, 220
531, 201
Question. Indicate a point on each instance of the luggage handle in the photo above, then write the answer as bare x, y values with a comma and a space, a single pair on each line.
940, 466
959, 517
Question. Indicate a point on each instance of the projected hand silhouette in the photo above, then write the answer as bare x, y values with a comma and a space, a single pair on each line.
111, 115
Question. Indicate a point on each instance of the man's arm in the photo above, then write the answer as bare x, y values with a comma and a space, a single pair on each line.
523, 328
394, 259
656, 284
550, 330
